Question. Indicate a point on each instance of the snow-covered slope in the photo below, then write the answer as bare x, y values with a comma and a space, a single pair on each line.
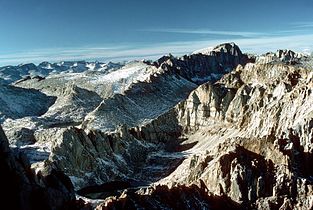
141, 103
105, 83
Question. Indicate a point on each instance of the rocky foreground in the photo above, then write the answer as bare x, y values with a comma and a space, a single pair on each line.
216, 129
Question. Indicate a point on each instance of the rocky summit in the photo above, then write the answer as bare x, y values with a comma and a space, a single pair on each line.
215, 129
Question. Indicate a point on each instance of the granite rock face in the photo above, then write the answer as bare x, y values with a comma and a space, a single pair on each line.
253, 129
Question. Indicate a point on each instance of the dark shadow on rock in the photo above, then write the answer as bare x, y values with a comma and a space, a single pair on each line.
184, 147
260, 173
104, 190
300, 161
180, 197
62, 124
33, 154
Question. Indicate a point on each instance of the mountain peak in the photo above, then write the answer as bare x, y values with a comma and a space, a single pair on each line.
228, 47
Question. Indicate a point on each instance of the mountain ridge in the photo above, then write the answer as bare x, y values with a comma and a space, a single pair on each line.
221, 123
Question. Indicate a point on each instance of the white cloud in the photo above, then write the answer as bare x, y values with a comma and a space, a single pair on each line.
206, 31
303, 43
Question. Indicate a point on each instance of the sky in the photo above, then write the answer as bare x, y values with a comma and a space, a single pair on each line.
103, 30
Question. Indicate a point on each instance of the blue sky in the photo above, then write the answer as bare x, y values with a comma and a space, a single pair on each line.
54, 30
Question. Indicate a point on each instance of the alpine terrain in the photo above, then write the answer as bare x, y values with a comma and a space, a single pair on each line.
214, 129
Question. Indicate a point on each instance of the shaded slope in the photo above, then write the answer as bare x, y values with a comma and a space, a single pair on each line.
18, 102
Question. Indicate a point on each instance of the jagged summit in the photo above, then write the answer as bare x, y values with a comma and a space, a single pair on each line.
230, 47
203, 67
284, 56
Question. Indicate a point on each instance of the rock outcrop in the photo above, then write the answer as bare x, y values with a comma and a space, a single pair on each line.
284, 56
21, 188
161, 197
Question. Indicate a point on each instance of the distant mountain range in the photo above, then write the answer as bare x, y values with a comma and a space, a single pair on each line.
13, 73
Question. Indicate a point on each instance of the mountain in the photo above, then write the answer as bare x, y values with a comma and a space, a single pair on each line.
216, 129
11, 74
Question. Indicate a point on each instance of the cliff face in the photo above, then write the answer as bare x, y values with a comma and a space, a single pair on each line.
253, 130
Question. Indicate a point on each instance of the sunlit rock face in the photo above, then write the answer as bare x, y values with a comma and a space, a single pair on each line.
253, 129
